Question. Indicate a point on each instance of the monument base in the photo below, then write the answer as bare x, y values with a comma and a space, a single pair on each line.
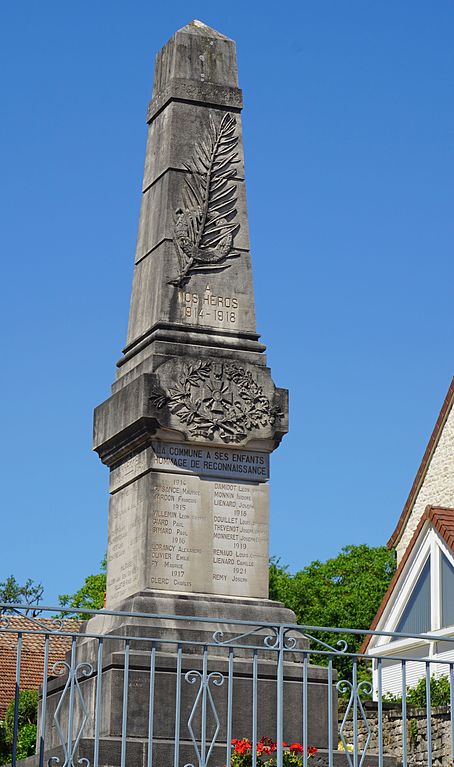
204, 677
206, 614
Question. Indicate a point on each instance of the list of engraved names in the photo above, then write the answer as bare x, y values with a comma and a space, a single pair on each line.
182, 532
207, 534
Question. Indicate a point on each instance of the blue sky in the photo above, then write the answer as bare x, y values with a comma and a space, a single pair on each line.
348, 129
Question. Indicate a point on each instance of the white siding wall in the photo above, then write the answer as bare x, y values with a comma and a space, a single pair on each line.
392, 672
392, 669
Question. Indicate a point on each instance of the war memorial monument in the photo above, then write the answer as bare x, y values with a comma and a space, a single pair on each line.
194, 413
187, 434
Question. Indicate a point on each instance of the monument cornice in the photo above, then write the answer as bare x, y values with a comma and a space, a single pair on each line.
203, 93
200, 335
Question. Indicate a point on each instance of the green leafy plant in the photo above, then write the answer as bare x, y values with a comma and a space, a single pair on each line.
26, 741
413, 731
417, 695
26, 720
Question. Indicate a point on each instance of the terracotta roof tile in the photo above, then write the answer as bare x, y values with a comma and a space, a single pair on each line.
32, 653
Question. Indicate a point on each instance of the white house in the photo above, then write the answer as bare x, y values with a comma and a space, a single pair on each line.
420, 597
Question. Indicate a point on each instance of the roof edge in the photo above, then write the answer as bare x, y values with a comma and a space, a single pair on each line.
430, 515
424, 465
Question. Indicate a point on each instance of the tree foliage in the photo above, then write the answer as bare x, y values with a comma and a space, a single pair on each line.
343, 592
26, 720
30, 593
90, 595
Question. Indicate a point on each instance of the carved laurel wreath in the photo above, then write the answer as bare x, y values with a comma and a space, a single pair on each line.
218, 400
204, 227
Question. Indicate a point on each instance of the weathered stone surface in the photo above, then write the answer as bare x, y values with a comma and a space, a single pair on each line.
198, 53
153, 607
192, 383
178, 458
204, 304
173, 135
416, 727
188, 533
158, 405
194, 167
166, 196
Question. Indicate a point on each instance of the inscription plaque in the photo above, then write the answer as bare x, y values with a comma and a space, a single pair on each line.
192, 459
181, 531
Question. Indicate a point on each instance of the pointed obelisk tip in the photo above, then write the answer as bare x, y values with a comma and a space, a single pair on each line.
199, 53
197, 27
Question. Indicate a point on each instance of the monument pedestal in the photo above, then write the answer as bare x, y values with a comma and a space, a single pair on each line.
216, 679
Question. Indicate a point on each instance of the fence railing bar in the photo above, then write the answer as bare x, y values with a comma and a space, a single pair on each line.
42, 728
98, 703
428, 716
380, 712
151, 706
355, 712
124, 717
254, 708
71, 678
280, 697
330, 713
203, 733
230, 621
305, 709
451, 706
404, 714
195, 643
229, 707
16, 698
176, 751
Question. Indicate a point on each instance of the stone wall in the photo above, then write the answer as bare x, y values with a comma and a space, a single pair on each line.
437, 488
416, 733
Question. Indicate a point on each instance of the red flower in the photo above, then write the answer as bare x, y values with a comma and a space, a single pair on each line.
266, 746
241, 746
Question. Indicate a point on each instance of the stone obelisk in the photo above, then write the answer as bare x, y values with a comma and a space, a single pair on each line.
187, 433
194, 413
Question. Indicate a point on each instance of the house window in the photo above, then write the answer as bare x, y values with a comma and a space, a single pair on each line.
447, 592
416, 618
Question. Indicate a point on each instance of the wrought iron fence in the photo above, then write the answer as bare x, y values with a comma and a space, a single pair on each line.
186, 691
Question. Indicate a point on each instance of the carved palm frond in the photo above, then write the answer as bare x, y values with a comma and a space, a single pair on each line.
209, 192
